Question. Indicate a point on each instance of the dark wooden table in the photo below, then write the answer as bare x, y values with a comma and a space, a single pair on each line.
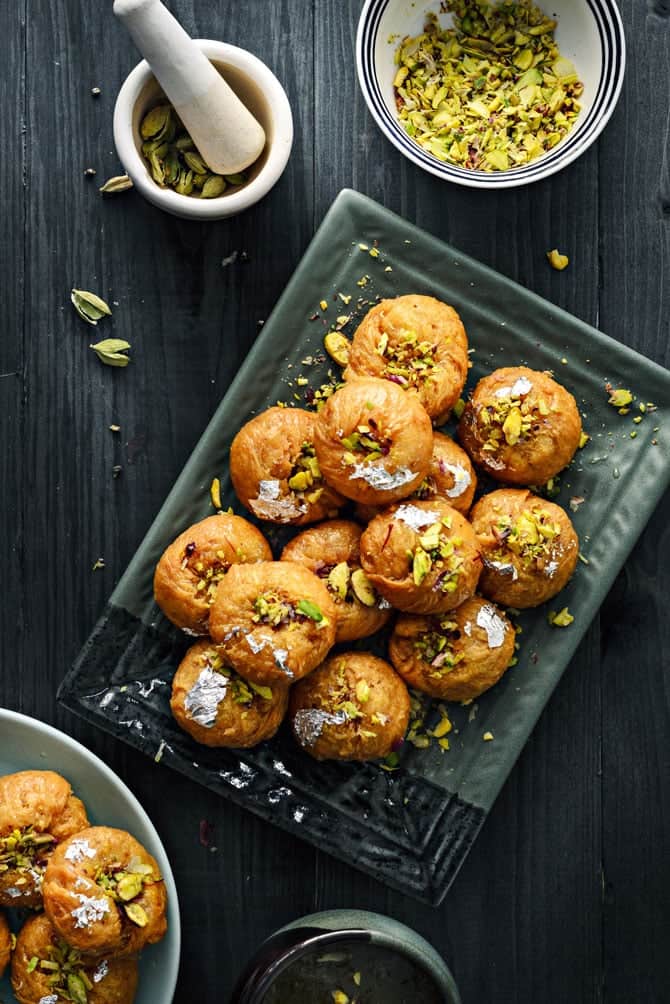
564, 897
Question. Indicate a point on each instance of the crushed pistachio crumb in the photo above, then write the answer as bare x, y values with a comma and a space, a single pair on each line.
490, 93
215, 493
561, 619
337, 346
557, 260
620, 398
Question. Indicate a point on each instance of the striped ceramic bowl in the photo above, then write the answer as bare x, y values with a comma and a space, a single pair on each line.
589, 33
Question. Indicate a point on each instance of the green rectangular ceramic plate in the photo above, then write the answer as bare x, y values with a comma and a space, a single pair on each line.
413, 827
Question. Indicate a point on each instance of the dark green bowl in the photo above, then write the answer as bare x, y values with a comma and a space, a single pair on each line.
326, 948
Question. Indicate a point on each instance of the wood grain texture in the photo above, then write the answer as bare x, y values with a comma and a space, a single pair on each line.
635, 308
564, 895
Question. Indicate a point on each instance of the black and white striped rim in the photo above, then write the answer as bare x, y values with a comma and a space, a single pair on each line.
607, 19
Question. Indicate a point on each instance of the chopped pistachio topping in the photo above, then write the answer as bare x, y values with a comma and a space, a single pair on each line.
436, 647
407, 361
367, 441
491, 93
363, 589
620, 398
271, 609
124, 884
558, 261
510, 418
207, 572
242, 691
437, 552
530, 537
310, 610
561, 619
67, 976
305, 476
24, 849
338, 580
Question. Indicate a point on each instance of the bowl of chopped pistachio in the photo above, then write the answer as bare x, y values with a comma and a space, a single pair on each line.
491, 93
161, 158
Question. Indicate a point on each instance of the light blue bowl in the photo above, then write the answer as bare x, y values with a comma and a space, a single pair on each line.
26, 744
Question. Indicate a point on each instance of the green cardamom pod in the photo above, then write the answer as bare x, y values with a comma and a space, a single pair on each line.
185, 183
184, 142
213, 187
155, 122
171, 168
119, 183
195, 162
236, 179
111, 351
157, 169
89, 306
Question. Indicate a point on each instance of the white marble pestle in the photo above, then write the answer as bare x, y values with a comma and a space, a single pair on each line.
225, 132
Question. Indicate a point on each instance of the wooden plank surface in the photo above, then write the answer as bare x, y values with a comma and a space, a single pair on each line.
564, 894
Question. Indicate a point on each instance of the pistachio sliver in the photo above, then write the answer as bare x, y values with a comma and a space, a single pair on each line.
338, 579
310, 610
137, 914
76, 989
129, 886
363, 588
337, 346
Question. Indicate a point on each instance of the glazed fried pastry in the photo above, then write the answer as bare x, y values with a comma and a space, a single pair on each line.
422, 556
521, 426
104, 894
450, 477
373, 442
37, 812
275, 621
529, 547
5, 944
418, 343
217, 707
46, 968
275, 472
191, 569
353, 707
332, 551
454, 656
